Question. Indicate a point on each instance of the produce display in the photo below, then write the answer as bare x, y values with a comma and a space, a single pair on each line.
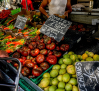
12, 38
10, 44
38, 54
82, 27
4, 14
63, 77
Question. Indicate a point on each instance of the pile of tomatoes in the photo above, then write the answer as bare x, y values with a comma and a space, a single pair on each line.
38, 54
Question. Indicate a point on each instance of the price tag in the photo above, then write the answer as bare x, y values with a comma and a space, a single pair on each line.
93, 31
88, 75
79, 40
20, 22
55, 27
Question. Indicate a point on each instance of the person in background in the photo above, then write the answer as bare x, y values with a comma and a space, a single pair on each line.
56, 7
29, 4
4, 54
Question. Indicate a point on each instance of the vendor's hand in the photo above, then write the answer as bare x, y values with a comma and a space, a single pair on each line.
4, 54
66, 14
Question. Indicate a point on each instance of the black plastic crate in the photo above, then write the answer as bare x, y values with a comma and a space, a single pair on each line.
86, 44
85, 29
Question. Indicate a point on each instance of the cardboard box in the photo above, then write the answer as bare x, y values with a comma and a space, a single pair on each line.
23, 12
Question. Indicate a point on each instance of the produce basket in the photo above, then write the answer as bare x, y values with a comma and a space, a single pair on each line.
39, 78
25, 84
8, 78
28, 85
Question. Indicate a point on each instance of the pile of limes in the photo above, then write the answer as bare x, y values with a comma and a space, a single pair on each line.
62, 77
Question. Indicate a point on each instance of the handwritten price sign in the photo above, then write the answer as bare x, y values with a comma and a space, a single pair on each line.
55, 27
88, 75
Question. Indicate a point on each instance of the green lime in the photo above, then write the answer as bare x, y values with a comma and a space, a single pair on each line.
67, 61
66, 77
73, 81
60, 61
60, 77
53, 73
70, 52
68, 87
66, 56
56, 67
46, 75
55, 81
63, 66
52, 88
75, 88
62, 71
61, 85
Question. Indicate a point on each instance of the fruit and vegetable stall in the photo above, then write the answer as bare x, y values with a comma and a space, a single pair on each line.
48, 64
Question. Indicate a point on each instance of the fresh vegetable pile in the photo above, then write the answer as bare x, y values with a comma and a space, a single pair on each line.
38, 54
10, 44
63, 77
4, 14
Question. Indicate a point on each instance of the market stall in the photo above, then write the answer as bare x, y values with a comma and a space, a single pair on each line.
50, 51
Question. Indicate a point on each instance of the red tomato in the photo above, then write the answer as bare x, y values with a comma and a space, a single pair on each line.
34, 61
35, 52
31, 76
43, 51
25, 71
24, 47
32, 45
24, 53
52, 59
50, 52
53, 40
35, 66
19, 50
57, 48
44, 66
41, 46
27, 42
47, 40
37, 72
37, 37
41, 40
45, 36
57, 54
64, 47
50, 46
24, 58
15, 64
26, 61
40, 58
21, 60
16, 55
29, 64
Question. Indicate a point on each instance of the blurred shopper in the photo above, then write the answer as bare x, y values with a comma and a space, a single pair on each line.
4, 54
29, 4
56, 7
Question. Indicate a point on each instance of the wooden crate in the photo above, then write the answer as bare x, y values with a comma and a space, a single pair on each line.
84, 2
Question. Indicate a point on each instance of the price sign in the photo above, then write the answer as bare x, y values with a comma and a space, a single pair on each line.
55, 27
20, 22
88, 75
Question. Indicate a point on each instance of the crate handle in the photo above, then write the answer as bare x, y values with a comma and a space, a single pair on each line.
18, 71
